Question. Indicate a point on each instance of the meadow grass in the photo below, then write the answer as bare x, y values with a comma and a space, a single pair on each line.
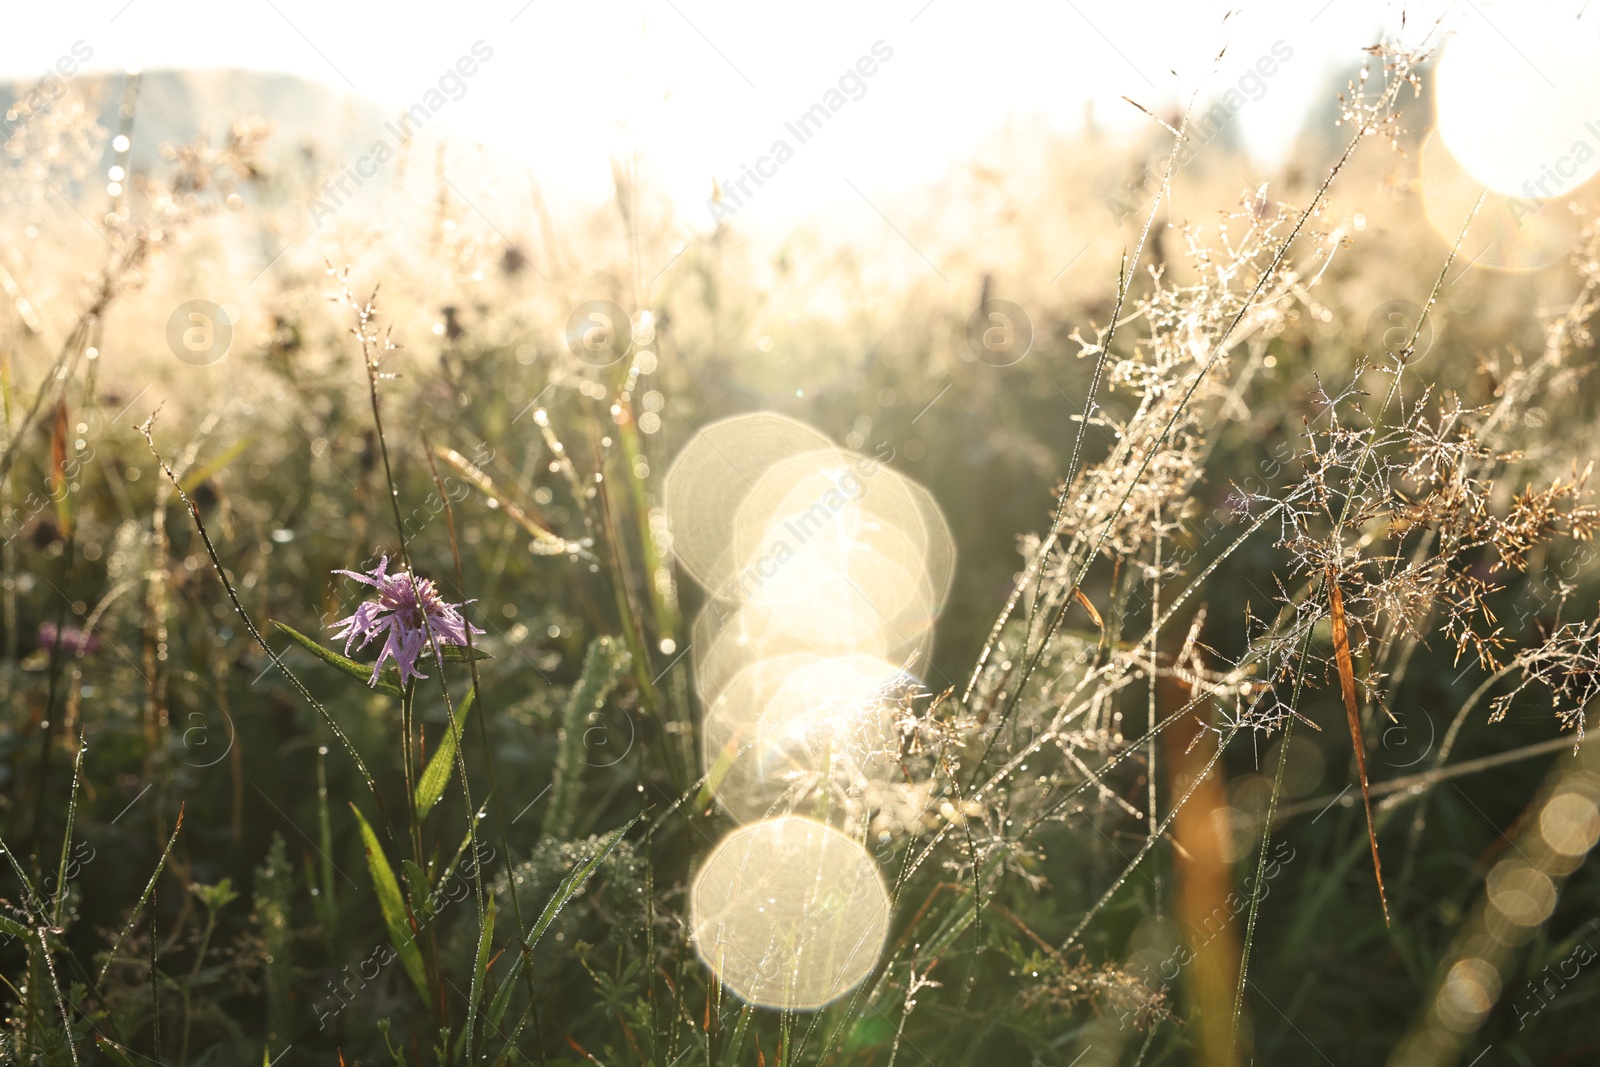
1265, 744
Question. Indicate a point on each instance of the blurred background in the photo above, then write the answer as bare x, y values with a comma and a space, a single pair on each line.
809, 210
692, 92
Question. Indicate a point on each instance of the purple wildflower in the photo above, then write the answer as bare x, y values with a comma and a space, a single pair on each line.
403, 603
71, 639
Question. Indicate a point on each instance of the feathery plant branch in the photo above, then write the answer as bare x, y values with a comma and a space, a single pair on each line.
1031, 661
1329, 581
1125, 274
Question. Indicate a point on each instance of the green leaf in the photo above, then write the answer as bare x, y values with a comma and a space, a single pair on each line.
480, 970
603, 665
564, 892
215, 897
344, 663
275, 884
113, 1051
149, 888
191, 481
393, 907
458, 653
14, 929
431, 786
502, 997
418, 891
573, 882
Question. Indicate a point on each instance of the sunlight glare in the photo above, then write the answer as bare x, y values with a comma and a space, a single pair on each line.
1518, 98
789, 913
804, 734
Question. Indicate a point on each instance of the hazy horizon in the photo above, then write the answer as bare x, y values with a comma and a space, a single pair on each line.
624, 91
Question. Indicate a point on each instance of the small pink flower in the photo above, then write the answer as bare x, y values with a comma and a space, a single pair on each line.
406, 610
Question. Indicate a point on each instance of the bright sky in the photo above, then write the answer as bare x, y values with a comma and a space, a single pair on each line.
698, 88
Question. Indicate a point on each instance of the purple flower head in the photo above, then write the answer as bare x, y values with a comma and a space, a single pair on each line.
406, 609
71, 639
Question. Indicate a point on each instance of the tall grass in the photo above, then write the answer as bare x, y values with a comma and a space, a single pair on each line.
1270, 556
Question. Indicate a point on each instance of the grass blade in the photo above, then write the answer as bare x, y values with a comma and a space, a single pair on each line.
343, 663
1347, 685
66, 839
58, 470
436, 776
602, 666
195, 477
532, 523
460, 653
393, 906
113, 1051
480, 966
502, 997
150, 887
573, 882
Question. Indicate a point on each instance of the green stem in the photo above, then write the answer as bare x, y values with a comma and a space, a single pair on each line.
194, 973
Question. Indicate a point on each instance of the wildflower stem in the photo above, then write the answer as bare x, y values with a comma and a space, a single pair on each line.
147, 429
409, 765
488, 758
370, 355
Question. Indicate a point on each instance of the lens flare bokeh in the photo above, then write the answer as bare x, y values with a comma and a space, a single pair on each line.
804, 734
824, 572
710, 477
1517, 121
789, 913
1518, 98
